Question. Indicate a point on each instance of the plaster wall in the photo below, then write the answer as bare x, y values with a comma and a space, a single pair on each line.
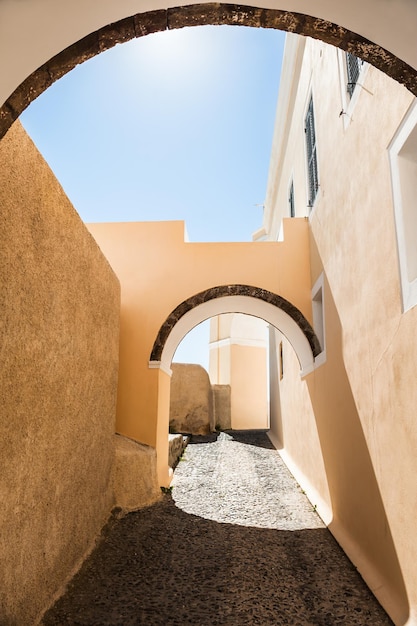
249, 406
219, 362
293, 428
135, 477
191, 404
363, 396
59, 311
184, 269
238, 357
221, 407
32, 33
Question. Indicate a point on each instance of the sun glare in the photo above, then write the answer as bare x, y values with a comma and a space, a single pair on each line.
172, 55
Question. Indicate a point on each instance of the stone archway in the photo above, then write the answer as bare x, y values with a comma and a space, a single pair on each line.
196, 15
235, 298
247, 299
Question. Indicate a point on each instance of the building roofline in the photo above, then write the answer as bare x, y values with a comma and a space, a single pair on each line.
289, 81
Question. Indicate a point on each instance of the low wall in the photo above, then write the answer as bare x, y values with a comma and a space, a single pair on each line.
135, 476
177, 444
191, 405
222, 407
59, 312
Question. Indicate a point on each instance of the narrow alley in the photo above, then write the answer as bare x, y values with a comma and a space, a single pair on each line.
236, 543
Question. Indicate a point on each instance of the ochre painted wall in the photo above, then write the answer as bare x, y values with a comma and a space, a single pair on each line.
238, 357
249, 406
59, 325
158, 270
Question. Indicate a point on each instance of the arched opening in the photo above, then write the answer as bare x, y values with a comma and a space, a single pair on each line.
193, 15
220, 376
218, 300
261, 303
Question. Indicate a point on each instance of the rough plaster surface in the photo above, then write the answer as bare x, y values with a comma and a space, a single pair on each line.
59, 322
135, 474
191, 407
143, 24
222, 406
177, 444
362, 398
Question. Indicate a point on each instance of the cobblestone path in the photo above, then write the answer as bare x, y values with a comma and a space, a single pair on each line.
237, 544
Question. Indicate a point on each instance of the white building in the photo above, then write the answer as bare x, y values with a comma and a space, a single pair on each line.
344, 158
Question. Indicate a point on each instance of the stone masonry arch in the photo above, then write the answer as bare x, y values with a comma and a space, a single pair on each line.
235, 298
247, 299
202, 13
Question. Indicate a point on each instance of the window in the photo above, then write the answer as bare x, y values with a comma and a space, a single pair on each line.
403, 161
353, 69
291, 203
317, 297
313, 181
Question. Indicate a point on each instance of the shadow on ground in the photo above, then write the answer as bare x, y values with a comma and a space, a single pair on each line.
162, 567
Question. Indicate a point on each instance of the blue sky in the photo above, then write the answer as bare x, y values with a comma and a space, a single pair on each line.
175, 125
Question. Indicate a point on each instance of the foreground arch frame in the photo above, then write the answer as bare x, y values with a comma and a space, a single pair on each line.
196, 15
261, 303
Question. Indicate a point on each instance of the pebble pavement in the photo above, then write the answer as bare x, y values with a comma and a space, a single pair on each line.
236, 544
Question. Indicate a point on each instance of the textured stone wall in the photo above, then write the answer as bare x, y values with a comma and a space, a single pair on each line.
135, 476
191, 407
59, 322
222, 406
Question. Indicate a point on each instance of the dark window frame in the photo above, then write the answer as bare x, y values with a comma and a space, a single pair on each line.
353, 69
291, 198
311, 147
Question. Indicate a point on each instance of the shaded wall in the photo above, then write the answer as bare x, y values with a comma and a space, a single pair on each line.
59, 321
221, 407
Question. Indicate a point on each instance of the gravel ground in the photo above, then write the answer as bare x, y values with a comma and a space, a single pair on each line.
236, 544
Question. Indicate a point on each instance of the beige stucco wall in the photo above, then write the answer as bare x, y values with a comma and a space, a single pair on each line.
158, 271
59, 312
238, 357
221, 407
363, 397
249, 407
135, 476
293, 426
191, 403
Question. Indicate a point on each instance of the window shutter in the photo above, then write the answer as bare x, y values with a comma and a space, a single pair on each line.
291, 202
353, 67
313, 183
